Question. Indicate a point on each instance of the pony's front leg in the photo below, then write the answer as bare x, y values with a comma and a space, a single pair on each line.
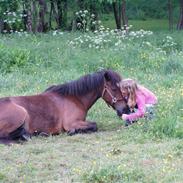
82, 127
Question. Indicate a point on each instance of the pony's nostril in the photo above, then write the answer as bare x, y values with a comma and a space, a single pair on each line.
119, 113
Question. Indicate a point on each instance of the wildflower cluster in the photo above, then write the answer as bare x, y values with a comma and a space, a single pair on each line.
13, 21
168, 43
104, 37
140, 33
86, 21
57, 32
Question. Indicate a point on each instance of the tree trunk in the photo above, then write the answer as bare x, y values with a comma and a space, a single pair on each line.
62, 13
170, 15
1, 25
51, 12
120, 13
64, 21
28, 19
54, 12
180, 22
94, 10
123, 14
60, 16
116, 15
75, 9
42, 26
35, 16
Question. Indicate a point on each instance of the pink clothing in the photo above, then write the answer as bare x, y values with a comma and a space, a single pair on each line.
143, 97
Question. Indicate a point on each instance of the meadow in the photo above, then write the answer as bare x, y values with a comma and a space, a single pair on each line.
148, 151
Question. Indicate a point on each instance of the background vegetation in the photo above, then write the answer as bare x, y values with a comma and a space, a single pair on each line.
45, 15
146, 152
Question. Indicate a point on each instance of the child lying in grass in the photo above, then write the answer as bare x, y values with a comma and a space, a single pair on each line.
140, 100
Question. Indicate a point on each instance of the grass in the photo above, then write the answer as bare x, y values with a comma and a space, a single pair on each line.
145, 152
93, 158
147, 24
151, 24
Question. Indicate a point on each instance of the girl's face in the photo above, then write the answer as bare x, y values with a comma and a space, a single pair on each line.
124, 92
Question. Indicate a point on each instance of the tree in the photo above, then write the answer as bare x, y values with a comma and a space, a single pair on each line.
117, 13
42, 25
119, 9
54, 13
28, 12
180, 22
59, 8
124, 17
170, 14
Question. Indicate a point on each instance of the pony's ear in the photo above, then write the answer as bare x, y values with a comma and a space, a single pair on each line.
107, 76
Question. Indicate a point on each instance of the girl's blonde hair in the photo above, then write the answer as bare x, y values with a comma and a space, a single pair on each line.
131, 86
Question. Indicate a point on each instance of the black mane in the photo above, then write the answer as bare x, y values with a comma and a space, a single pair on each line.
85, 84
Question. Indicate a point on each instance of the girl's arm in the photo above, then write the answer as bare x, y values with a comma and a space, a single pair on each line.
140, 111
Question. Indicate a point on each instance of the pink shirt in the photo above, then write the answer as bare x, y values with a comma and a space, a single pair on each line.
143, 97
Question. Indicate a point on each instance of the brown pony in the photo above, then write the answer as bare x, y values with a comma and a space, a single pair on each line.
60, 107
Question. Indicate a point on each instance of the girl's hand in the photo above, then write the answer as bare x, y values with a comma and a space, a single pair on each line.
124, 117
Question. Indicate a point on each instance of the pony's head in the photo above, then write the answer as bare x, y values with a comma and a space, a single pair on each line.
103, 83
111, 92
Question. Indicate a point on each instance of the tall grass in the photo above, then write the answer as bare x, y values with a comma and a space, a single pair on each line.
153, 59
31, 63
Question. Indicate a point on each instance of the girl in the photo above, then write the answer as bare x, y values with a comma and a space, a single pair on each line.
140, 100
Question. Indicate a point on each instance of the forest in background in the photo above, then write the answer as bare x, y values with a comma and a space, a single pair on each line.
45, 15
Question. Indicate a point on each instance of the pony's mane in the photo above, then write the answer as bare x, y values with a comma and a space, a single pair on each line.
84, 84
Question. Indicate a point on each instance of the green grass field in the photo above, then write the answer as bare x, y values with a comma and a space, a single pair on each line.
149, 152
148, 24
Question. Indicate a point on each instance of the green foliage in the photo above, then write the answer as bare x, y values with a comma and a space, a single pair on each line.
11, 16
14, 15
140, 9
13, 58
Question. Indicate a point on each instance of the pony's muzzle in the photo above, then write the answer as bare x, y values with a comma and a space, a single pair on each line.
119, 112
122, 111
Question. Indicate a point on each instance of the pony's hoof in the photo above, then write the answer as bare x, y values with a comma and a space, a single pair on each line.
71, 132
25, 137
43, 134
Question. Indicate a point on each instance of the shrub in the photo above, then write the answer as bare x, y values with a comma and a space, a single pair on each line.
13, 58
86, 21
